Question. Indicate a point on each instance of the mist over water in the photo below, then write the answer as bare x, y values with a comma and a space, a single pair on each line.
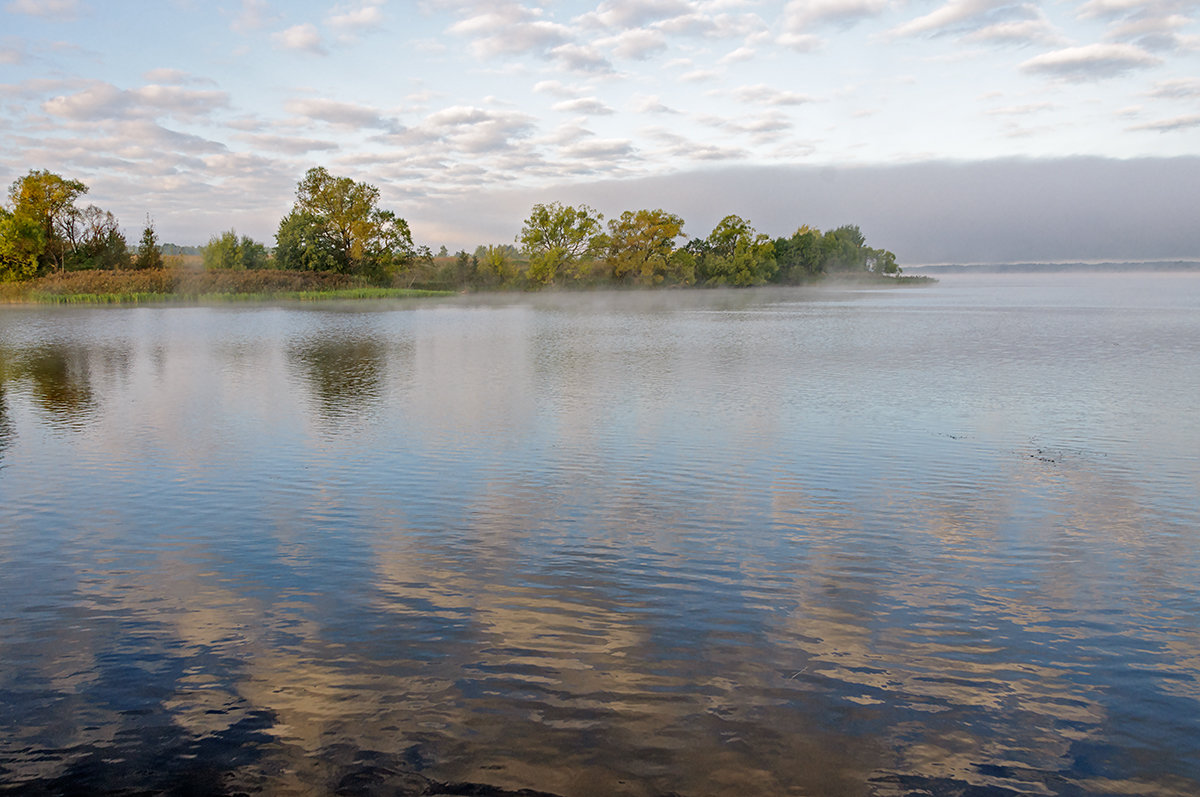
759, 542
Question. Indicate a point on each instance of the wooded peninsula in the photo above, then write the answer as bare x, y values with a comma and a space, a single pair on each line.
337, 241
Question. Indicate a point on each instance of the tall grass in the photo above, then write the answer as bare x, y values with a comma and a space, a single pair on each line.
190, 286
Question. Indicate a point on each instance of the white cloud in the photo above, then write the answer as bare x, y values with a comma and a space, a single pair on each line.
623, 14
103, 101
599, 149
1091, 62
254, 15
336, 112
579, 58
304, 38
995, 21
358, 18
800, 16
511, 29
762, 94
584, 105
175, 77
50, 9
650, 104
638, 44
10, 56
1170, 125
738, 55
1177, 88
555, 87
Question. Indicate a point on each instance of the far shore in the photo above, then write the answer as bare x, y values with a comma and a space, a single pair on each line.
192, 286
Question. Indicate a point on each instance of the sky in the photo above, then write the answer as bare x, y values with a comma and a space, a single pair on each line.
960, 131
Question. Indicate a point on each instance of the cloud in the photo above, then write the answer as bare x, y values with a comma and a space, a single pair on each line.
59, 10
1037, 30
993, 21
649, 104
1091, 62
291, 145
579, 58
738, 55
175, 77
624, 14
355, 19
511, 29
254, 15
474, 130
700, 75
555, 87
762, 94
1177, 88
800, 16
103, 101
1170, 125
599, 149
10, 56
336, 112
304, 38
1022, 110
638, 44
584, 105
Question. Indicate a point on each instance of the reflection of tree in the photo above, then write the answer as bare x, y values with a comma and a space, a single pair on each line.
6, 430
345, 375
60, 382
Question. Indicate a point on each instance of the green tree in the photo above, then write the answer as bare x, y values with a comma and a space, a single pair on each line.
881, 261
844, 249
735, 254
47, 201
798, 257
149, 254
641, 248
560, 240
336, 225
21, 244
96, 241
228, 251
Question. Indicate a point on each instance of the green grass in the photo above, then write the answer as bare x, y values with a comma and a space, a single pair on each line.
146, 297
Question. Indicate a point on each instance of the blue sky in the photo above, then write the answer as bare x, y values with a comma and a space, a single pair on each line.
205, 114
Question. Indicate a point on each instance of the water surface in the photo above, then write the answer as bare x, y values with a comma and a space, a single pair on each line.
873, 542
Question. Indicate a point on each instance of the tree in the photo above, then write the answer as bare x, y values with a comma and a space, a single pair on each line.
800, 256
735, 254
560, 239
844, 249
21, 243
641, 248
336, 225
149, 254
227, 251
46, 201
97, 241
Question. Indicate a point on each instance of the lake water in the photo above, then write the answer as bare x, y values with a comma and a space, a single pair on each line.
939, 540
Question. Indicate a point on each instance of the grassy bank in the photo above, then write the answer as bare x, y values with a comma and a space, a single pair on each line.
187, 286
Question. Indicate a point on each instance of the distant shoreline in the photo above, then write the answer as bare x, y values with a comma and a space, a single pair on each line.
1114, 266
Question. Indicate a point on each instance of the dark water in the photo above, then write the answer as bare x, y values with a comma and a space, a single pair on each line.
930, 541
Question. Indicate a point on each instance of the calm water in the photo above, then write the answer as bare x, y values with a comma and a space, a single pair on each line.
926, 541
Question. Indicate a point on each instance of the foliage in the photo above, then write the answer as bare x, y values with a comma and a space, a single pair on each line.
227, 251
735, 254
21, 243
336, 225
149, 252
47, 201
560, 239
641, 249
96, 240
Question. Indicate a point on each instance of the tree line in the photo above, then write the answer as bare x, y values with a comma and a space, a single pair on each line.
336, 225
